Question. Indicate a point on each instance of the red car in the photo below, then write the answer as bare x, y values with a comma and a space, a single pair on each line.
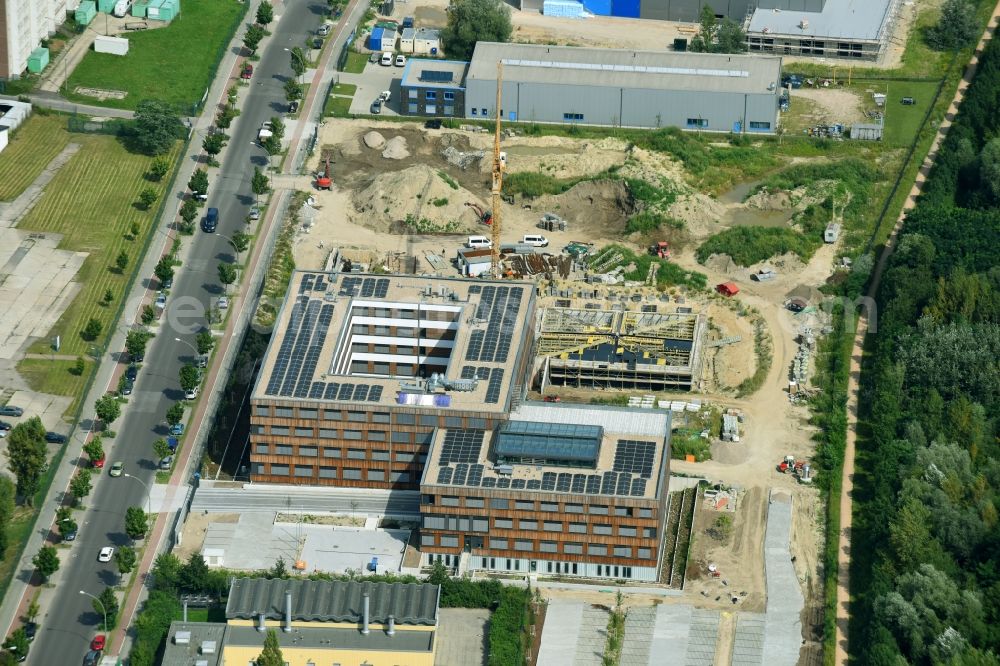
97, 464
98, 643
247, 71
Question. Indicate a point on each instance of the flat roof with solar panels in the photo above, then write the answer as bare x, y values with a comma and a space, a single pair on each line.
431, 73
449, 343
558, 448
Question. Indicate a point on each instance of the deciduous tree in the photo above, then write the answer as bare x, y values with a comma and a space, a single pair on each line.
198, 183
106, 605
26, 455
471, 21
7, 493
94, 449
136, 522
175, 414
252, 38
46, 561
125, 559
80, 485
265, 13
161, 448
108, 409
227, 274
147, 197
155, 127
204, 341
92, 329
957, 27
189, 377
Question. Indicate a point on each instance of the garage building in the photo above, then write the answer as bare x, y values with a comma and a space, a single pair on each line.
620, 87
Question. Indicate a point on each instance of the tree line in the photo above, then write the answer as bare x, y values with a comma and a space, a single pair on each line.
926, 567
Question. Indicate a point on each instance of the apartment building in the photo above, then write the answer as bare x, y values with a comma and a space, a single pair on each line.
23, 25
363, 370
573, 490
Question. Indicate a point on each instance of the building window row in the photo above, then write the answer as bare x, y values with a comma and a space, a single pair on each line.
357, 416
697, 122
309, 451
328, 472
570, 117
503, 503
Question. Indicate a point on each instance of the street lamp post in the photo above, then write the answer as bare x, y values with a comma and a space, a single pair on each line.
193, 348
149, 505
103, 609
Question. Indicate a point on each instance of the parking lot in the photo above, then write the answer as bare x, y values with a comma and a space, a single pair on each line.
462, 637
371, 83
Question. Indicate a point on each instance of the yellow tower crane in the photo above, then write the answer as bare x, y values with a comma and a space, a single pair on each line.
499, 163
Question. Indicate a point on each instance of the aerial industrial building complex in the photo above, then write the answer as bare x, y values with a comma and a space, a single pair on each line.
394, 382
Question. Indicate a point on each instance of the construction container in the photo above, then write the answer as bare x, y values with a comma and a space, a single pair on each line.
38, 60
153, 9
564, 8
625, 8
599, 7
86, 12
170, 9
106, 6
139, 8
114, 45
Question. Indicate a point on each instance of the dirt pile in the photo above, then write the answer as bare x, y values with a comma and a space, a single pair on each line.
595, 206
395, 149
374, 140
417, 191
767, 200
460, 159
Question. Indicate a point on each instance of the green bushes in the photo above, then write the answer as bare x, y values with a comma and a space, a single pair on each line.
507, 627
647, 221
536, 184
648, 193
750, 245
667, 275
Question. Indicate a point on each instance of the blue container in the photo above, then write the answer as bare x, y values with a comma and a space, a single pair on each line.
599, 7
375, 39
625, 8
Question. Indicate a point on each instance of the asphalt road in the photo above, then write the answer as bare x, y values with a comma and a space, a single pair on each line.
71, 622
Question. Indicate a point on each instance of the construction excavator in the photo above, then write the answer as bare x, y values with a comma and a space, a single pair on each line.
324, 182
485, 216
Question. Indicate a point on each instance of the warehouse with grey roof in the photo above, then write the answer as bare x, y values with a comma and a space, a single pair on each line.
625, 88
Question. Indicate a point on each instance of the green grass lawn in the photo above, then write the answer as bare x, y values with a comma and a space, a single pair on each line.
355, 62
338, 107
33, 146
174, 63
902, 122
92, 203
345, 89
54, 377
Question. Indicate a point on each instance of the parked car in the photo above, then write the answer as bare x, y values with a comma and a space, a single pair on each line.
201, 361
376, 107
433, 123
223, 303
191, 394
70, 536
373, 58
167, 284
293, 106
177, 429
55, 438
324, 29
386, 59
117, 469
92, 658
793, 80
254, 212
400, 61
131, 372
908, 101
106, 554
30, 630
166, 463
97, 464
11, 410
385, 96
317, 43
247, 71
127, 387
98, 642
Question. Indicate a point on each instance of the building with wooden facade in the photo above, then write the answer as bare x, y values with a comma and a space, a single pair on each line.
575, 490
363, 370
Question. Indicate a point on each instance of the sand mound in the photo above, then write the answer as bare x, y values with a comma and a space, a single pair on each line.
600, 207
395, 149
374, 140
416, 191
767, 200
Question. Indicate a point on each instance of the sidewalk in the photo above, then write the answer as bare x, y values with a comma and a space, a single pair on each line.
19, 593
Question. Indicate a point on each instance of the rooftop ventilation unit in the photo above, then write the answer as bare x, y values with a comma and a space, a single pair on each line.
182, 638
208, 647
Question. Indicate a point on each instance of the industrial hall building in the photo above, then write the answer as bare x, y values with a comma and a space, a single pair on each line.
397, 382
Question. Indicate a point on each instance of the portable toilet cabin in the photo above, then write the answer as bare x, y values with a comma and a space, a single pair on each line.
406, 40
170, 9
86, 12
38, 60
153, 9
106, 6
139, 8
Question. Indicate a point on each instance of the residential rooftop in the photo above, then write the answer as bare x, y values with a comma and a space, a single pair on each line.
562, 448
432, 73
194, 644
844, 19
625, 68
333, 335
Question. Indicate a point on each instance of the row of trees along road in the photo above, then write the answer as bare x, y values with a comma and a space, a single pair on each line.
926, 546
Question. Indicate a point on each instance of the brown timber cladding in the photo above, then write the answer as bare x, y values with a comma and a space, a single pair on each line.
639, 529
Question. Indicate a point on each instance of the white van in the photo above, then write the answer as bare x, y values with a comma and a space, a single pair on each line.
479, 242
535, 240
386, 60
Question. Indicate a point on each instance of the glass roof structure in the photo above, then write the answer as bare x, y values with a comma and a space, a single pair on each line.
549, 441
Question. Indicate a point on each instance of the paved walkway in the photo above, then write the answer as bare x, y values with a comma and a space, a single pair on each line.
847, 488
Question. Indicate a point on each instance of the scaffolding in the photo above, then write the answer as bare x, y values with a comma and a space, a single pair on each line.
621, 348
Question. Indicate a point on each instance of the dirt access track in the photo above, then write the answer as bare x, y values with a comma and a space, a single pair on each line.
384, 172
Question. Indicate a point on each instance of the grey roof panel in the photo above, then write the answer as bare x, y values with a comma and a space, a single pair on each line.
847, 19
333, 601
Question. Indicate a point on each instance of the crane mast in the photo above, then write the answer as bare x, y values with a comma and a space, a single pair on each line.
498, 167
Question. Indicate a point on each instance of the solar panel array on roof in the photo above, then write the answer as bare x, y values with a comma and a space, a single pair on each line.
474, 372
534, 484
563, 482
462, 445
503, 482
548, 481
436, 75
635, 457
499, 307
493, 388
444, 475
517, 484
489, 482
461, 474
475, 475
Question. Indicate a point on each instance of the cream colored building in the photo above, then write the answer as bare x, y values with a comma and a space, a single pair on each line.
23, 25
317, 622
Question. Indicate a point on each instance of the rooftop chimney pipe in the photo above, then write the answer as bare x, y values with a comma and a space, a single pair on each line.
288, 612
260, 623
364, 614
392, 626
